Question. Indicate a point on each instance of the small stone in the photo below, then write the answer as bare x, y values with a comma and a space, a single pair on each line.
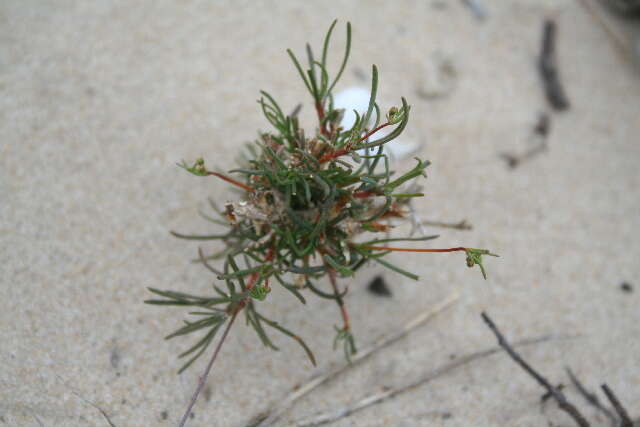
378, 286
626, 287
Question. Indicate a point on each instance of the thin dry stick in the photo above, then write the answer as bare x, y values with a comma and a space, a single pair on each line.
625, 420
334, 415
276, 412
87, 401
104, 414
592, 398
548, 67
555, 392
204, 376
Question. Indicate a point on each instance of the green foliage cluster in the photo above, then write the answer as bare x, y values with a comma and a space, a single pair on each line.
305, 200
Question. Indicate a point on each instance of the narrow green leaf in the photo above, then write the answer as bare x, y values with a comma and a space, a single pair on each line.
241, 273
347, 51
202, 344
407, 195
291, 288
200, 237
325, 47
285, 331
372, 99
345, 271
395, 133
299, 68
396, 268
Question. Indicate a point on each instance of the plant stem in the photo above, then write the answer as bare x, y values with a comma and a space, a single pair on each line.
320, 111
237, 308
385, 248
232, 181
368, 134
341, 152
343, 309
203, 378
363, 194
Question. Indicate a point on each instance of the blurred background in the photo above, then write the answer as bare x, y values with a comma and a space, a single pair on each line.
99, 100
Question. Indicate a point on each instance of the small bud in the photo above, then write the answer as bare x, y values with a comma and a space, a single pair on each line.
197, 169
470, 261
259, 292
474, 257
199, 166
395, 115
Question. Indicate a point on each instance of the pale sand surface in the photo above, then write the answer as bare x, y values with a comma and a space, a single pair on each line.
98, 100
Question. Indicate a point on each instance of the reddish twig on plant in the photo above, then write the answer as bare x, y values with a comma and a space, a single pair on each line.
330, 156
232, 181
363, 194
320, 111
270, 254
385, 248
474, 256
252, 280
341, 152
368, 134
343, 309
379, 227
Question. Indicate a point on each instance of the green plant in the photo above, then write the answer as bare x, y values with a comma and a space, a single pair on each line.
304, 202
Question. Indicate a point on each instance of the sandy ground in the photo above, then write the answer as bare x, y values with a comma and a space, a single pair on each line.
98, 100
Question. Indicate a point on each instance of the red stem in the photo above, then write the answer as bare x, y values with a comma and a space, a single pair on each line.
385, 248
343, 309
252, 280
320, 111
363, 194
341, 152
232, 181
367, 135
333, 155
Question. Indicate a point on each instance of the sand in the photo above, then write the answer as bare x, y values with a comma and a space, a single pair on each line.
99, 100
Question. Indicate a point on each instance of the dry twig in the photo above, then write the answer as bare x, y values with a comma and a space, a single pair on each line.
275, 413
592, 398
336, 414
84, 399
548, 67
555, 392
203, 378
625, 420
